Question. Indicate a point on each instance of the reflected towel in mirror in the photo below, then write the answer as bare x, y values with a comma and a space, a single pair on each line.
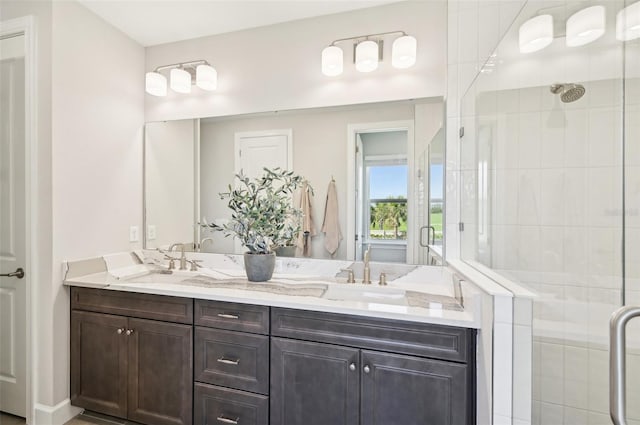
308, 229
330, 223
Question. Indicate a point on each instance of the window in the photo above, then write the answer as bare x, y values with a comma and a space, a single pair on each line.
386, 190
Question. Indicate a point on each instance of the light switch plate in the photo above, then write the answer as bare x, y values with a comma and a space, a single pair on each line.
134, 234
151, 232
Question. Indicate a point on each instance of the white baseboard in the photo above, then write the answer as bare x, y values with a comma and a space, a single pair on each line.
55, 415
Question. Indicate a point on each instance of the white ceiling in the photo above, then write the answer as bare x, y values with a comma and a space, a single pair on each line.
151, 22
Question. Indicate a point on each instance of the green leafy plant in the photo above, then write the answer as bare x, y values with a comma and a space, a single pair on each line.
262, 213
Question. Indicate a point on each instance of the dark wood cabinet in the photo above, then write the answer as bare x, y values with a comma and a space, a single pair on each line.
132, 368
99, 362
334, 376
314, 383
160, 372
140, 357
398, 389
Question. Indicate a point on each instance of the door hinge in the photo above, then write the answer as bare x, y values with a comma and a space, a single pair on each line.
240, 153
461, 226
357, 149
461, 132
356, 237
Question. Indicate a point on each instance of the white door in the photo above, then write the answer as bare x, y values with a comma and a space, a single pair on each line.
259, 149
12, 227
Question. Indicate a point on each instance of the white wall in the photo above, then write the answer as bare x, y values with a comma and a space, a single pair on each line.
319, 152
278, 67
97, 113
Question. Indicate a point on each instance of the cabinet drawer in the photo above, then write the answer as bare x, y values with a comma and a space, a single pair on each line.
132, 304
232, 359
219, 406
427, 340
232, 316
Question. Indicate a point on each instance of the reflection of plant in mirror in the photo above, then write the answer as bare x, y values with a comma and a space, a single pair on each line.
263, 216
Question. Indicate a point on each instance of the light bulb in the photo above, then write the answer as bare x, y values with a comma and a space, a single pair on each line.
155, 84
536, 34
628, 22
585, 26
332, 61
367, 56
206, 77
180, 81
403, 52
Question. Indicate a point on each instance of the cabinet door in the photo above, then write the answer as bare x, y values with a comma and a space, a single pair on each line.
313, 383
160, 372
99, 362
409, 390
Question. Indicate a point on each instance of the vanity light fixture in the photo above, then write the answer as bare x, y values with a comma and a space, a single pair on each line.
182, 77
628, 22
367, 53
536, 34
585, 26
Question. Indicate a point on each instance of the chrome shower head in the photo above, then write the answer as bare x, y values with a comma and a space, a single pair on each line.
568, 92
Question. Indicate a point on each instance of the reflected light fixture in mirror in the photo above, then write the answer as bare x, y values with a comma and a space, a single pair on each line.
332, 61
403, 52
367, 56
536, 34
585, 26
628, 22
180, 81
156, 84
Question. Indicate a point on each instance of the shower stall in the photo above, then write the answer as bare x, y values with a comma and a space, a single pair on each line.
550, 193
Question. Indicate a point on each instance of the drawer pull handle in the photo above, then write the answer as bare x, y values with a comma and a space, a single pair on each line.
226, 420
120, 330
228, 316
229, 361
129, 332
352, 366
367, 369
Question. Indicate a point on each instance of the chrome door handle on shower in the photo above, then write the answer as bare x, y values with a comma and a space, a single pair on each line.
19, 273
431, 232
617, 362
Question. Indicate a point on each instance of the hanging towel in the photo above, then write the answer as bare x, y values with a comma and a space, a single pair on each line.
331, 224
308, 228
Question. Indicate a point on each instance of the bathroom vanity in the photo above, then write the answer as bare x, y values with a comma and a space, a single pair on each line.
156, 358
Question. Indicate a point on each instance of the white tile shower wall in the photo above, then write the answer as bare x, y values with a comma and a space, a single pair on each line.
556, 226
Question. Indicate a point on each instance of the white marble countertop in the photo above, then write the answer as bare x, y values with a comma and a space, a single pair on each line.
222, 278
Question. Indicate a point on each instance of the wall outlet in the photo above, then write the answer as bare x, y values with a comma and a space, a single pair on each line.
134, 234
151, 232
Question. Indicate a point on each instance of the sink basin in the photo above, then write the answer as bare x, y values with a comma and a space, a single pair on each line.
367, 294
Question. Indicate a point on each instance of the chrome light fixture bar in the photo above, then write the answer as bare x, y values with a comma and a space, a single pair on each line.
367, 53
183, 75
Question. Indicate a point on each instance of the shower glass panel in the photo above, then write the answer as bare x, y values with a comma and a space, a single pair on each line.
551, 144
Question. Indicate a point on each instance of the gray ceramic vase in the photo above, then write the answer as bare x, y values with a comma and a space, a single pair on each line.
259, 267
286, 251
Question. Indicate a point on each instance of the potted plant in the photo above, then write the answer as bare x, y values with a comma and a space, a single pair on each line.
262, 218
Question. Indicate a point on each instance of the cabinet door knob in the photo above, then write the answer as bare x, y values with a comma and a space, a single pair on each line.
352, 366
129, 332
120, 330
226, 420
367, 369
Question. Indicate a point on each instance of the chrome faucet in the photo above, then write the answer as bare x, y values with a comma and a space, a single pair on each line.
366, 275
183, 256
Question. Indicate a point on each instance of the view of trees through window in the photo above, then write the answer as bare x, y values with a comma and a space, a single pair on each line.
387, 201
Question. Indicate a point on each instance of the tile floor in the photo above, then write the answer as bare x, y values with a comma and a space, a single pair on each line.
83, 419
